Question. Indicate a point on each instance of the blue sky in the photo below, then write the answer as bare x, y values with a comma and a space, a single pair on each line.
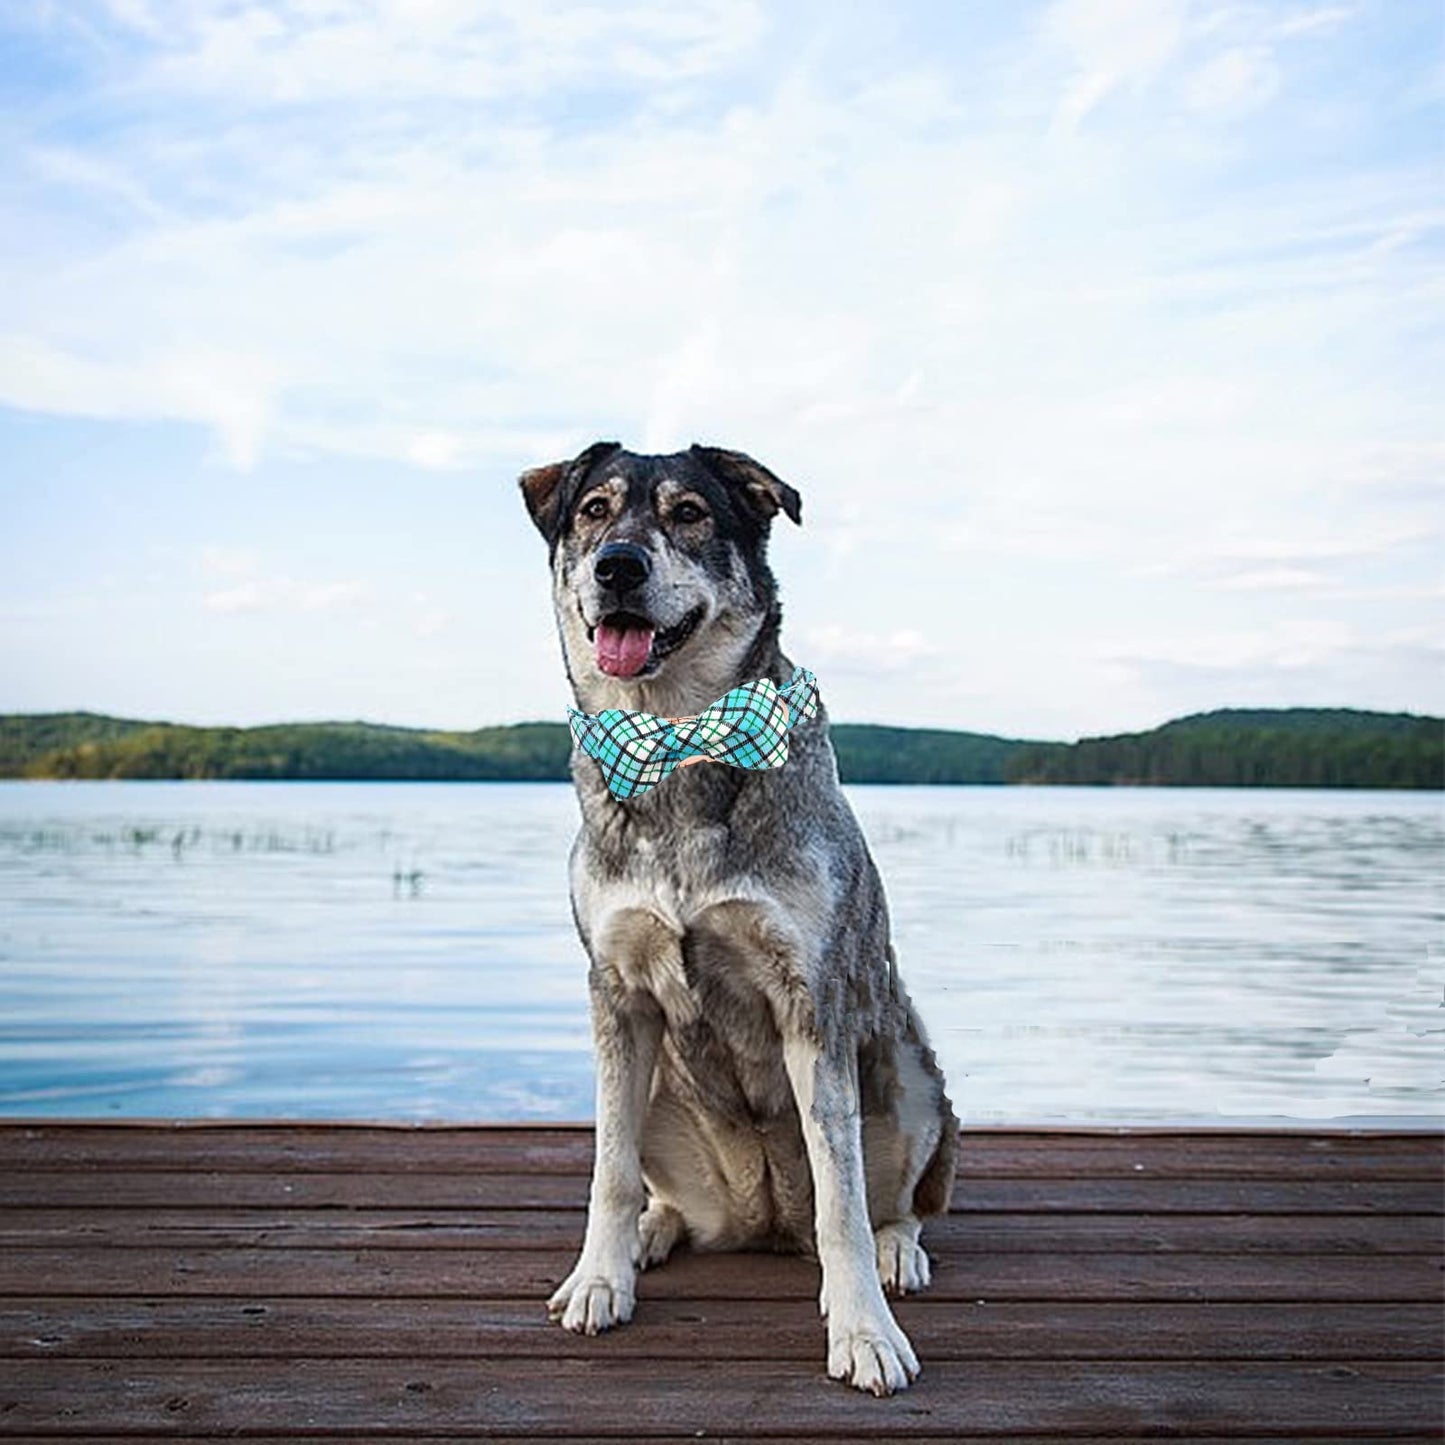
1102, 339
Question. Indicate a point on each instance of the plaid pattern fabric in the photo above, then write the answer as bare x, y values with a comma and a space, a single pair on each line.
747, 727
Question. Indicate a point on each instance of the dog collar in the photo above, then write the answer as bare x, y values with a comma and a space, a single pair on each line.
747, 727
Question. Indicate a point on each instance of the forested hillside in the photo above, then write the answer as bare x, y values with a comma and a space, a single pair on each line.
1292, 747
1239, 748
84, 745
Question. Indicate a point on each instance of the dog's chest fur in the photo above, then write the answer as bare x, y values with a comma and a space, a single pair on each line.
723, 957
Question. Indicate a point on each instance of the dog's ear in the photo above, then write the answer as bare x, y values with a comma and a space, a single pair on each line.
764, 492
543, 488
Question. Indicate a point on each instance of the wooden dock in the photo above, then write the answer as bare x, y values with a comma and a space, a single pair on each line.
268, 1282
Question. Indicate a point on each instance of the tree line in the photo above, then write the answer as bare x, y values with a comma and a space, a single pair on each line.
1292, 747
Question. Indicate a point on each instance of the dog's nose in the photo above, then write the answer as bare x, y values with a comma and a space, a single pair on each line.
622, 566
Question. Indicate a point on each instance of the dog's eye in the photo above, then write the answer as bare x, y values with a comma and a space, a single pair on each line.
595, 507
688, 512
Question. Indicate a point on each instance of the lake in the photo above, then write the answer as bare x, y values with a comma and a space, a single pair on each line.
406, 951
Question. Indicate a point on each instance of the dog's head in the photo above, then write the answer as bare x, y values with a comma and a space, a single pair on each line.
659, 563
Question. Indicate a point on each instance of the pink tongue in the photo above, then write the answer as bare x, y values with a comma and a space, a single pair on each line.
622, 651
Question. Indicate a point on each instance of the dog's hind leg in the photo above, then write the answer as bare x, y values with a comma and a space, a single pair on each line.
909, 1136
894, 1158
601, 1290
902, 1261
662, 1228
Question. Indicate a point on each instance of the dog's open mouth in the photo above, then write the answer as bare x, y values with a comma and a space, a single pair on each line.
627, 644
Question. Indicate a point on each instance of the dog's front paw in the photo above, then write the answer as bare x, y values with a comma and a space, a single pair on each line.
902, 1263
872, 1355
591, 1300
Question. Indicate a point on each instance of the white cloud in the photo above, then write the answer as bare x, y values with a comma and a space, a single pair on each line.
253, 589
435, 450
441, 288
227, 391
429, 619
1270, 579
1224, 61
1110, 43
842, 648
1234, 82
1313, 20
1219, 553
283, 594
1288, 643
230, 561
1310, 558
1308, 543
291, 51
1038, 533
1312, 661
247, 597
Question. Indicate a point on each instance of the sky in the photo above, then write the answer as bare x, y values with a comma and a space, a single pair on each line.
1101, 338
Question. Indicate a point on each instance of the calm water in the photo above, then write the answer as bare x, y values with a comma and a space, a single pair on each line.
406, 951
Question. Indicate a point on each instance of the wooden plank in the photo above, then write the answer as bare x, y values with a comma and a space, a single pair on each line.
45, 1189
633, 1399
280, 1228
664, 1329
713, 1438
508, 1274
237, 1147
315, 1148
960, 1233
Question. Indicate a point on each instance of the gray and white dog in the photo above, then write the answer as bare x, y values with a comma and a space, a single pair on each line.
763, 1081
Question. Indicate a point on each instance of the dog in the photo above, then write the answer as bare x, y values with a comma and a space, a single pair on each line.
763, 1080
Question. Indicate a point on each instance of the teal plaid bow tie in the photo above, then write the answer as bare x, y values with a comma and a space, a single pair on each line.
747, 727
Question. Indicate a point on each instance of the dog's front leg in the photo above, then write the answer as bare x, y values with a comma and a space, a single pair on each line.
865, 1344
601, 1290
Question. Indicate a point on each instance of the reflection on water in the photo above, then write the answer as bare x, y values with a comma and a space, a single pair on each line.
407, 950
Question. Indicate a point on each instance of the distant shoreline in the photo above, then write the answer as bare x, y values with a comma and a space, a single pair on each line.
1231, 747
